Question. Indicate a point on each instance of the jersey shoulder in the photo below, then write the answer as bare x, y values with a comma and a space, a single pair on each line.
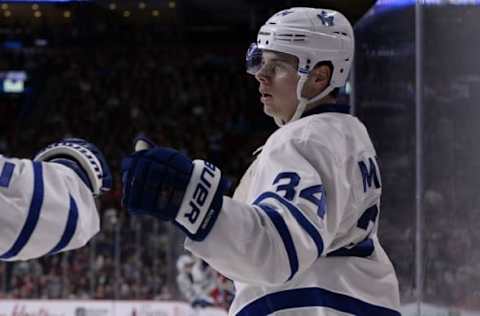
334, 132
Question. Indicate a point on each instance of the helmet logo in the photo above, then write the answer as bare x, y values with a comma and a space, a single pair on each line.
284, 12
326, 19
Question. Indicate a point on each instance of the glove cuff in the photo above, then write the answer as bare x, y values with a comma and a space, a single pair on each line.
86, 156
72, 164
202, 201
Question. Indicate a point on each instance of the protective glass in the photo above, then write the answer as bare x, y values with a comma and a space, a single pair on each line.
255, 63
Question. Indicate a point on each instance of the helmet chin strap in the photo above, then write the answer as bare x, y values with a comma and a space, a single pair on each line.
303, 102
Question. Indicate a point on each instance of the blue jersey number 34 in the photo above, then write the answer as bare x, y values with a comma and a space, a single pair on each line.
314, 194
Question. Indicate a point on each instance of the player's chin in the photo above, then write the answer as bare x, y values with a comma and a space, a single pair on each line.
269, 110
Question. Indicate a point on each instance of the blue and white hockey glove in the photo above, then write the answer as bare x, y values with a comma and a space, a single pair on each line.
166, 184
84, 158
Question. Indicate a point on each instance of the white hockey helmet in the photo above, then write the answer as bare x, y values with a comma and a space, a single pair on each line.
313, 36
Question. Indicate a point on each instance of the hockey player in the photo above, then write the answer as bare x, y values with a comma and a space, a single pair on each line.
47, 205
299, 236
196, 281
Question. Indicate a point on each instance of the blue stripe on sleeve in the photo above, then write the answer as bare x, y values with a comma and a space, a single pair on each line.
70, 228
6, 175
33, 213
299, 217
284, 233
313, 297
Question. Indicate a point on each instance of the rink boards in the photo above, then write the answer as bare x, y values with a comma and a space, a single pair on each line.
155, 308
101, 308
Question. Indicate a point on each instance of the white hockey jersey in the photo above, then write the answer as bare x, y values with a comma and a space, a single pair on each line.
299, 236
45, 208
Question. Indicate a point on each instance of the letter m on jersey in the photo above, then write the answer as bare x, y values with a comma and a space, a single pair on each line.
370, 174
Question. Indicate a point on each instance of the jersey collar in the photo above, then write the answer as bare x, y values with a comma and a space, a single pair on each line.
325, 108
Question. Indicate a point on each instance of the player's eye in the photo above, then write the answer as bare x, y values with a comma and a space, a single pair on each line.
279, 66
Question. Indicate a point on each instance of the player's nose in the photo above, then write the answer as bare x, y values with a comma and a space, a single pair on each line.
262, 76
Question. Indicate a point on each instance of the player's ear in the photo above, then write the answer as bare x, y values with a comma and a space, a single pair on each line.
317, 81
321, 76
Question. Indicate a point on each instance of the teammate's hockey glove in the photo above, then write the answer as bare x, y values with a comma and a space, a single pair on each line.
84, 158
166, 184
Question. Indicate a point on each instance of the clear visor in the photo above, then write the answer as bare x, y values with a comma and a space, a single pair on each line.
253, 59
256, 63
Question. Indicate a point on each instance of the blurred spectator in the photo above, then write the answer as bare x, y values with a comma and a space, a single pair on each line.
201, 285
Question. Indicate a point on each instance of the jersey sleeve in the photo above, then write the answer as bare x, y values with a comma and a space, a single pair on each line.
44, 208
299, 193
